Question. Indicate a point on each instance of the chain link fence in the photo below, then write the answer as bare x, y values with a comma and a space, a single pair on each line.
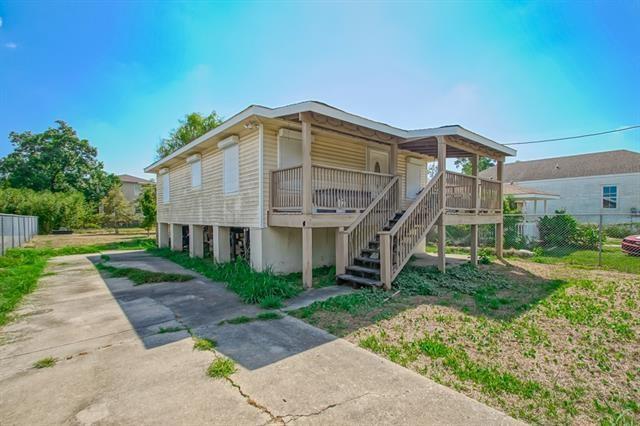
603, 241
16, 230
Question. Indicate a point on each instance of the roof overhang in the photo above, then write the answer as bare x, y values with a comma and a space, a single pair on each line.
409, 137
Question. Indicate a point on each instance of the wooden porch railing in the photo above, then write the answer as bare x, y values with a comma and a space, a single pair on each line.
397, 244
333, 188
490, 195
460, 191
286, 188
372, 220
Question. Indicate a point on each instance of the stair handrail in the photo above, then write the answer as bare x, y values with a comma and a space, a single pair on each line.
395, 254
352, 248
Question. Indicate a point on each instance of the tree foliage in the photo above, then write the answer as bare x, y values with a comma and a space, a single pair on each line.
191, 127
465, 164
56, 160
117, 211
147, 204
55, 210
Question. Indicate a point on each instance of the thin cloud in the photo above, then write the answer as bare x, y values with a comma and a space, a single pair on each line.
10, 45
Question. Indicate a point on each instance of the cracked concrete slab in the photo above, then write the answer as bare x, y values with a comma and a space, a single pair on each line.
115, 367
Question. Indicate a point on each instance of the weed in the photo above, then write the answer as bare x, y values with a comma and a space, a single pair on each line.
45, 362
265, 316
271, 302
203, 344
221, 368
141, 276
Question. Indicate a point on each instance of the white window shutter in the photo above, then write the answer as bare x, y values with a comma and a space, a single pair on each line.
196, 174
166, 190
231, 169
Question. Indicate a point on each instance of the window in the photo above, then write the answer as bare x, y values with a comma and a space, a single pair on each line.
289, 148
196, 174
610, 197
230, 166
165, 188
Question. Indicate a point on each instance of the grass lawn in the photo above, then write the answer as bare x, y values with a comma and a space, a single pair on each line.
546, 344
265, 288
21, 268
612, 259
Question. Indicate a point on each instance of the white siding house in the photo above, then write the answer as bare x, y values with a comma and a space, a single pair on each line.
606, 183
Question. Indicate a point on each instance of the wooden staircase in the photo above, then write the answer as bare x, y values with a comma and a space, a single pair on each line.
381, 240
365, 270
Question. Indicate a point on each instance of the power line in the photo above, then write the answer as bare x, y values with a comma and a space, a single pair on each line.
576, 137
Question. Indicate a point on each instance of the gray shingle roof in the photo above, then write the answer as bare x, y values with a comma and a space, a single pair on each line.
133, 179
595, 164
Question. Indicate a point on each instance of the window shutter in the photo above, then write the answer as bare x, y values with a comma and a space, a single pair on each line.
231, 172
165, 188
196, 174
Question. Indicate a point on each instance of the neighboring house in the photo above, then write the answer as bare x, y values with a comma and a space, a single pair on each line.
132, 187
528, 200
306, 185
587, 185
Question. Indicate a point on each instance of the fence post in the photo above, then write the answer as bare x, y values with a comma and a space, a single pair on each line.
600, 241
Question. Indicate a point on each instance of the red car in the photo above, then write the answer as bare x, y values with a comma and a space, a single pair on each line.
631, 245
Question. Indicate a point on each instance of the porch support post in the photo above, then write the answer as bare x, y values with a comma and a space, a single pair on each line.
176, 237
393, 159
307, 202
307, 257
196, 241
475, 159
163, 235
307, 184
385, 259
342, 251
442, 166
499, 226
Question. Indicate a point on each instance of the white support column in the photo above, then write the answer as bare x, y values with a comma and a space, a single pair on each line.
442, 166
342, 251
475, 160
499, 226
385, 259
256, 248
196, 241
545, 206
307, 257
163, 235
221, 244
393, 159
176, 237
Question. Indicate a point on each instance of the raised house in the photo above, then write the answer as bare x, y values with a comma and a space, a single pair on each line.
307, 185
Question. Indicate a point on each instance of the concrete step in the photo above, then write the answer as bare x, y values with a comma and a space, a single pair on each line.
366, 261
348, 278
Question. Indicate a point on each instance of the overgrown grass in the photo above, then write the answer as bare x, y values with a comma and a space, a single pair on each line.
203, 344
252, 286
141, 276
164, 330
265, 316
221, 368
547, 351
45, 362
21, 268
271, 302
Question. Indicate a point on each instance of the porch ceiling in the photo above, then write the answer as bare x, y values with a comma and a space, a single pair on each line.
457, 147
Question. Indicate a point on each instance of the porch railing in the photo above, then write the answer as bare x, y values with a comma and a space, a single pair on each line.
490, 195
460, 191
334, 189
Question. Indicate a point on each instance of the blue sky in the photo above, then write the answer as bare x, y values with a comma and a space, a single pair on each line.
123, 73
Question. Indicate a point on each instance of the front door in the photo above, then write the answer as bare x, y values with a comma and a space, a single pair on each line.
378, 161
415, 171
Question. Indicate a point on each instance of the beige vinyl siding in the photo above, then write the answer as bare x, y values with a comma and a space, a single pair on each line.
208, 204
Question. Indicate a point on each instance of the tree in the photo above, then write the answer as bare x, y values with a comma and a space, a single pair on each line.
147, 204
56, 160
465, 164
191, 127
117, 211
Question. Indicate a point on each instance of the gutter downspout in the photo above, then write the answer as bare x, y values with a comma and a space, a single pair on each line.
261, 174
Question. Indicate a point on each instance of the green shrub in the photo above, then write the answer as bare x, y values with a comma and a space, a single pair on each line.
586, 237
54, 210
557, 230
622, 230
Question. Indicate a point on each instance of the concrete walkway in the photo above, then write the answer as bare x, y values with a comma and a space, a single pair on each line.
114, 367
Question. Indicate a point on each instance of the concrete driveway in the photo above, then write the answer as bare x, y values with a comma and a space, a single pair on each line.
116, 368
